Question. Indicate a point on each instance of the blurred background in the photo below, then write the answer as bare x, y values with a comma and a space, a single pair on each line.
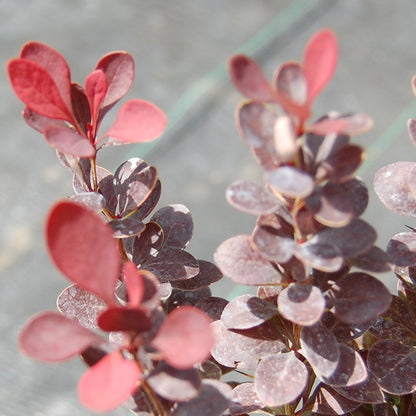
180, 49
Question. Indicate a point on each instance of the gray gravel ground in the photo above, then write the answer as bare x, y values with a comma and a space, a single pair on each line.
180, 48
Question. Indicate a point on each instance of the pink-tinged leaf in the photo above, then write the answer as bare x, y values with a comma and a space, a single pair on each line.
249, 79
320, 59
68, 141
350, 124
96, 89
83, 248
280, 379
137, 121
411, 127
133, 280
118, 68
301, 304
185, 337
52, 337
119, 318
285, 139
289, 80
40, 123
54, 63
80, 306
108, 383
36, 88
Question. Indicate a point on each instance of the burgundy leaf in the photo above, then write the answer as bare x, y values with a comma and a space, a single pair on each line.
92, 200
213, 306
247, 311
237, 259
108, 383
80, 107
126, 227
148, 243
301, 304
359, 298
80, 305
351, 369
249, 79
373, 260
36, 88
185, 337
174, 384
319, 62
52, 337
54, 63
350, 124
252, 198
280, 379
213, 399
392, 185
83, 248
137, 121
321, 349
394, 366
119, 318
177, 225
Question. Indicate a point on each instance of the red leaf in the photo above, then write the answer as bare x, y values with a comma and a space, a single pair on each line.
52, 337
134, 283
96, 89
137, 121
108, 383
249, 79
38, 122
54, 63
37, 89
83, 248
118, 68
320, 59
185, 337
68, 141
119, 318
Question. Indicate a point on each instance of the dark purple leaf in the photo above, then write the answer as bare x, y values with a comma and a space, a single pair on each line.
212, 306
173, 384
92, 200
329, 402
213, 399
373, 260
359, 298
177, 225
394, 366
238, 260
350, 371
126, 227
280, 379
247, 311
208, 273
321, 349
172, 264
148, 243
301, 304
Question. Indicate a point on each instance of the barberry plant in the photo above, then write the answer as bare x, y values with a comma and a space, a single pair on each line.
321, 335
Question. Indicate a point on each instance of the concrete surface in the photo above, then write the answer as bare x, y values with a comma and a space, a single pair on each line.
180, 48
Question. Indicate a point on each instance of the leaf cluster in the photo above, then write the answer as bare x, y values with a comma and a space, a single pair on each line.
321, 335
